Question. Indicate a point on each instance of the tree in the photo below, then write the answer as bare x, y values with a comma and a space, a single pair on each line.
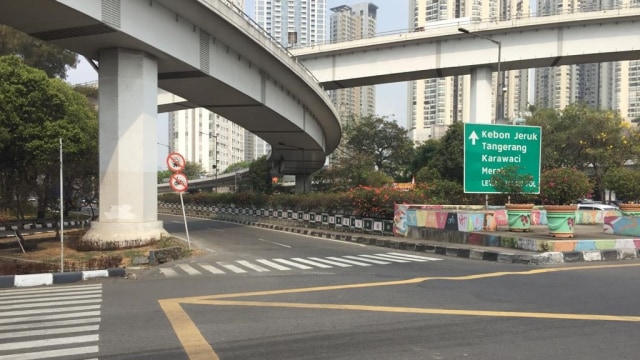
424, 155
35, 113
192, 170
449, 157
387, 143
591, 140
241, 165
164, 174
36, 53
259, 176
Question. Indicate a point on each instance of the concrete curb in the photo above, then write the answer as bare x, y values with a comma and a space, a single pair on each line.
9, 281
455, 250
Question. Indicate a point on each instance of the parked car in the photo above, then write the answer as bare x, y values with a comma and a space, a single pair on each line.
597, 206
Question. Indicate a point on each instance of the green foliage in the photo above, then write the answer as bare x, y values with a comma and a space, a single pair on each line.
588, 139
164, 175
449, 156
35, 53
424, 155
387, 144
624, 182
35, 113
509, 180
192, 170
259, 177
564, 186
237, 166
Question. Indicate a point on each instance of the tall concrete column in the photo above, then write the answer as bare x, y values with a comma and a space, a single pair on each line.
303, 183
128, 83
481, 96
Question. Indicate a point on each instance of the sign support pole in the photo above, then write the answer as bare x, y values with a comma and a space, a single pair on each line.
61, 213
184, 216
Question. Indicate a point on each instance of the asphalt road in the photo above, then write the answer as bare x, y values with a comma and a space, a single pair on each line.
412, 308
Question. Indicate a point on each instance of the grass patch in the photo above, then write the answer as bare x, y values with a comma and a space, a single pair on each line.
44, 253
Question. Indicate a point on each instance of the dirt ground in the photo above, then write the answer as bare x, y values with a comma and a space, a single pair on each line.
49, 248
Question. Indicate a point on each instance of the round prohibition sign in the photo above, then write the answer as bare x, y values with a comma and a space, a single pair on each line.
178, 182
175, 162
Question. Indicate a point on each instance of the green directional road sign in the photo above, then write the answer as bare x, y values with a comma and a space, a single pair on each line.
488, 148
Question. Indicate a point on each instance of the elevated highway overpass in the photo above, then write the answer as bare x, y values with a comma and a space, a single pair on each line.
204, 51
534, 42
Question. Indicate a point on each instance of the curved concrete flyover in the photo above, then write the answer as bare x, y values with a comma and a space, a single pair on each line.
207, 52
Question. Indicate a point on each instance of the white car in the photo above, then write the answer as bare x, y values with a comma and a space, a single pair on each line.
597, 206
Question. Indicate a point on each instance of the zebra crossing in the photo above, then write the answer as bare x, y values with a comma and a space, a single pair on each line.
50, 323
280, 264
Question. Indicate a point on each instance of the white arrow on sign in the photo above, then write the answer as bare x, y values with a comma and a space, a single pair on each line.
473, 137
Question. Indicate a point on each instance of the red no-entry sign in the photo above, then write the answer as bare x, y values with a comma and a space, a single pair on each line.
178, 182
175, 162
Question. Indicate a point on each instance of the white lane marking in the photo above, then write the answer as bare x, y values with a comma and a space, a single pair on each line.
189, 270
214, 229
391, 256
275, 243
252, 266
9, 294
272, 264
168, 272
50, 304
50, 317
99, 293
417, 256
349, 261
378, 257
50, 310
313, 263
48, 342
232, 267
211, 269
51, 353
291, 263
367, 260
49, 324
330, 262
40, 332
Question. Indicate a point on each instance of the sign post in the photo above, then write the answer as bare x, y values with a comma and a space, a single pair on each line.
179, 183
489, 148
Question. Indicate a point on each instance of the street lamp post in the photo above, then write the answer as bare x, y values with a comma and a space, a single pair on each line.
498, 75
215, 156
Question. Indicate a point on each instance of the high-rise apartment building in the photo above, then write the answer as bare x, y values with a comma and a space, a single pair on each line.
611, 85
434, 104
353, 22
292, 23
206, 138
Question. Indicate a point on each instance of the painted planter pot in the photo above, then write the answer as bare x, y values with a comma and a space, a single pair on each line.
561, 220
519, 217
630, 209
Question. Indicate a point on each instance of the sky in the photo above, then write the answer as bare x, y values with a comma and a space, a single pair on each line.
391, 99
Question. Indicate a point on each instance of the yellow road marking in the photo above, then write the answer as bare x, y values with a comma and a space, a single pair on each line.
406, 310
197, 347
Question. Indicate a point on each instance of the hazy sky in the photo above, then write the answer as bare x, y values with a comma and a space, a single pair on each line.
391, 99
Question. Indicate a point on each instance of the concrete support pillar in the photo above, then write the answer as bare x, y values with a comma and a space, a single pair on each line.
481, 96
303, 183
128, 135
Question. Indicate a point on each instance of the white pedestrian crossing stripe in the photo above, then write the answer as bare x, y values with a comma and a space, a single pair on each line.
53, 322
268, 265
